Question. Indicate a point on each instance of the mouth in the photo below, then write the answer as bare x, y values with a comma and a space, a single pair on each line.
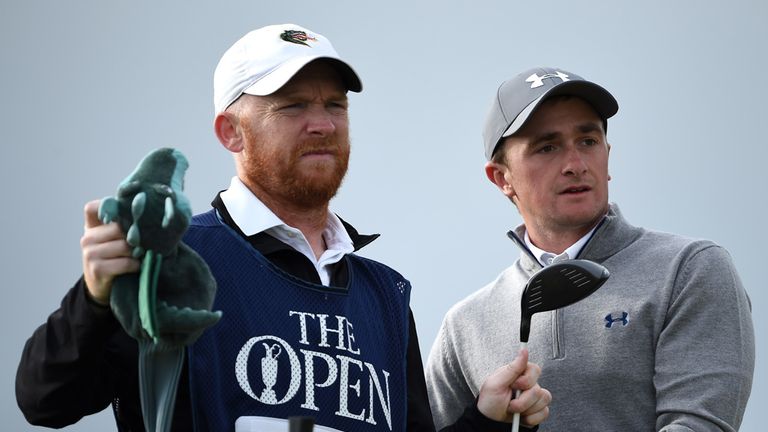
318, 154
318, 150
575, 190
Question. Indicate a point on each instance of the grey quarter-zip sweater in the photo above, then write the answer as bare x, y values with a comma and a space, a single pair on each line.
667, 344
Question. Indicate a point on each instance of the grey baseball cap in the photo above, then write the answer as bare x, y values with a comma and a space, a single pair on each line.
517, 98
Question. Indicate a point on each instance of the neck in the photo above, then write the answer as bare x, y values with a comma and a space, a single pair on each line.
310, 220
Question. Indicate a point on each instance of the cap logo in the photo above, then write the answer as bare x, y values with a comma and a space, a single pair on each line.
297, 36
538, 81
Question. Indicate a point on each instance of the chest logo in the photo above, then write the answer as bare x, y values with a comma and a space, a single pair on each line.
615, 318
325, 360
401, 287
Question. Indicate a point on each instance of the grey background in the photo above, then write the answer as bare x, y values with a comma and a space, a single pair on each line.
88, 87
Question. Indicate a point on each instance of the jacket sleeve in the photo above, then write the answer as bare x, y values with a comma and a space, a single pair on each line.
705, 353
62, 375
449, 392
453, 404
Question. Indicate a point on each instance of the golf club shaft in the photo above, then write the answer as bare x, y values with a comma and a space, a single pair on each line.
516, 417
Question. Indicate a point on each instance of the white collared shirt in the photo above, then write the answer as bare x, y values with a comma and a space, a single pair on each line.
546, 258
253, 217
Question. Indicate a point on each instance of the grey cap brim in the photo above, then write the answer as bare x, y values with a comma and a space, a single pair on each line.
599, 98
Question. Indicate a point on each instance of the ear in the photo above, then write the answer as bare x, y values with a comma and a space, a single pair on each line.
227, 128
497, 174
609, 154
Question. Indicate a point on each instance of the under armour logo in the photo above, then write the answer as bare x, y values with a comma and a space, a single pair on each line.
610, 320
538, 81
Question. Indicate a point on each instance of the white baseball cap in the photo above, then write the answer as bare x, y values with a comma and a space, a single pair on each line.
263, 60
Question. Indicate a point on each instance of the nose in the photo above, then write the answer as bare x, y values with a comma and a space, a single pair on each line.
574, 163
321, 123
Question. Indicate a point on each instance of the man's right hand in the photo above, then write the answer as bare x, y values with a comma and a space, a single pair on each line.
106, 254
497, 394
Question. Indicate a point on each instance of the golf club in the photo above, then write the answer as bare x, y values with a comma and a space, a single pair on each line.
553, 287
301, 424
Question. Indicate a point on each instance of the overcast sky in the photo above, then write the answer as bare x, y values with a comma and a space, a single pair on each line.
89, 87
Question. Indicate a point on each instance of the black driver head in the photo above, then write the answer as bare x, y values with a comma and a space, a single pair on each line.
556, 286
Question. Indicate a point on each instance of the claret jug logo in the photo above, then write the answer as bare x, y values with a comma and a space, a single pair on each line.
324, 361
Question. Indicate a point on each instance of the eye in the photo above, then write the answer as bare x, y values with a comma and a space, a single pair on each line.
337, 106
590, 142
546, 148
289, 107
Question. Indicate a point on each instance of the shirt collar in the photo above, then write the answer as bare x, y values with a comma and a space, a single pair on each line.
247, 211
253, 217
545, 258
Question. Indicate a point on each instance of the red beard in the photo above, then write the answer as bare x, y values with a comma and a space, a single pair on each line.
305, 184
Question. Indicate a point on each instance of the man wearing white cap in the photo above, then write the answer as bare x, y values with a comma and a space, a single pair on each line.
309, 328
665, 344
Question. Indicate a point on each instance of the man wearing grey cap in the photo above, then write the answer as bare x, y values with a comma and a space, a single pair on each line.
666, 344
309, 328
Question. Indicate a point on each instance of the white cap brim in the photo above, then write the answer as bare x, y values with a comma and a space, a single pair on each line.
278, 77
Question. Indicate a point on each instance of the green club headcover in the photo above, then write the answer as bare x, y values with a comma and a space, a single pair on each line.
167, 305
